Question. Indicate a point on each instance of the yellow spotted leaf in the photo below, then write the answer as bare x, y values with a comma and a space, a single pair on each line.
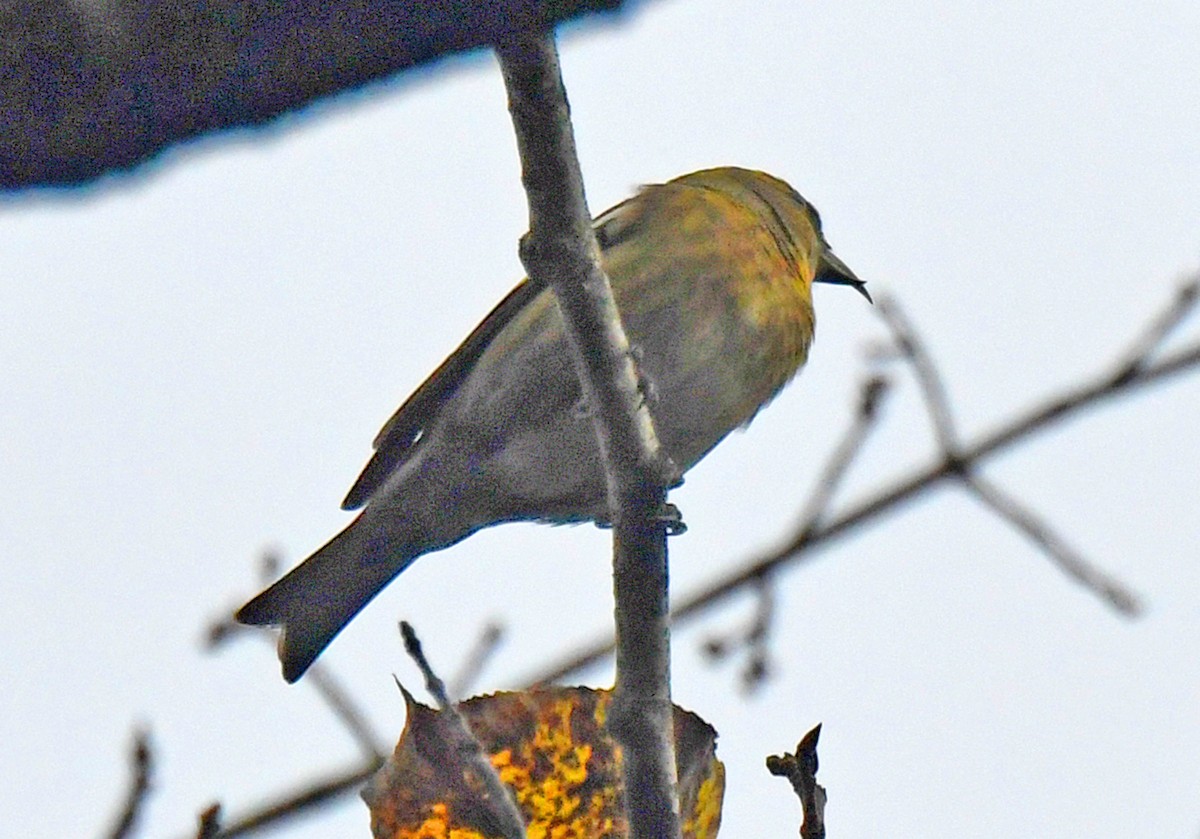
550, 748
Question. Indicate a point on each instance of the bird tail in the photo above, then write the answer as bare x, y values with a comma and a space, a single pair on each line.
314, 601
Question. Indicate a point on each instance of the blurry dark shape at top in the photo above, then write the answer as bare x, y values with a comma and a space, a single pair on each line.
92, 88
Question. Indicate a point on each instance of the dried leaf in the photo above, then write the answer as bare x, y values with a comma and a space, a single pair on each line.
550, 748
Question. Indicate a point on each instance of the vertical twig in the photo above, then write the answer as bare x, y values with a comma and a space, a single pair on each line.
139, 787
499, 799
937, 400
560, 251
801, 770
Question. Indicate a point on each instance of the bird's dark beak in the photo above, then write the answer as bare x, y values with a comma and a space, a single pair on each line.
833, 270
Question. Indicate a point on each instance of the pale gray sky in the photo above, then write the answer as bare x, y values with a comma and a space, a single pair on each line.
195, 363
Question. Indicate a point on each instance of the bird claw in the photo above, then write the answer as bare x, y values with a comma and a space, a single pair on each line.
668, 515
672, 518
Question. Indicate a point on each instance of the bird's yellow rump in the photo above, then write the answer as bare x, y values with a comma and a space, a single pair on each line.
712, 274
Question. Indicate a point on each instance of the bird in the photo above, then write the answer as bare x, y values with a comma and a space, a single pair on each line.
712, 275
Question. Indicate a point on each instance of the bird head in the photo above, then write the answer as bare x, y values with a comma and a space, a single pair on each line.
796, 222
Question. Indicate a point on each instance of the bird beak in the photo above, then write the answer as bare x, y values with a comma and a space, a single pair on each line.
833, 270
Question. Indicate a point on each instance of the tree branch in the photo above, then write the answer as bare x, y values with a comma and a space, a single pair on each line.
801, 770
311, 796
1068, 560
912, 349
498, 799
1132, 373
835, 470
142, 760
560, 251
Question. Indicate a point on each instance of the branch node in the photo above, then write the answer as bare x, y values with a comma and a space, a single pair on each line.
954, 463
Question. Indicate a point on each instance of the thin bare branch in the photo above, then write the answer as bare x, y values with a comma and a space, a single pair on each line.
561, 252
142, 763
937, 400
497, 797
310, 797
1054, 546
344, 707
327, 686
912, 349
1160, 328
1103, 387
468, 672
753, 640
870, 401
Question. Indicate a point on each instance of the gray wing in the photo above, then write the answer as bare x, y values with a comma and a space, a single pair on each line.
396, 440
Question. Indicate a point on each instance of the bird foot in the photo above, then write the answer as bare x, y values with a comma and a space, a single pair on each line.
668, 515
671, 516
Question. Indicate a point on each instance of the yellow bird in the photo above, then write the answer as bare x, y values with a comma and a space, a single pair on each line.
712, 274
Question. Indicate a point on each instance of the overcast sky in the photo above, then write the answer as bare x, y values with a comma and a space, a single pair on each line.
195, 361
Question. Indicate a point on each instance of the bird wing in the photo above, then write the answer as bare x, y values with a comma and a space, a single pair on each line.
395, 441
